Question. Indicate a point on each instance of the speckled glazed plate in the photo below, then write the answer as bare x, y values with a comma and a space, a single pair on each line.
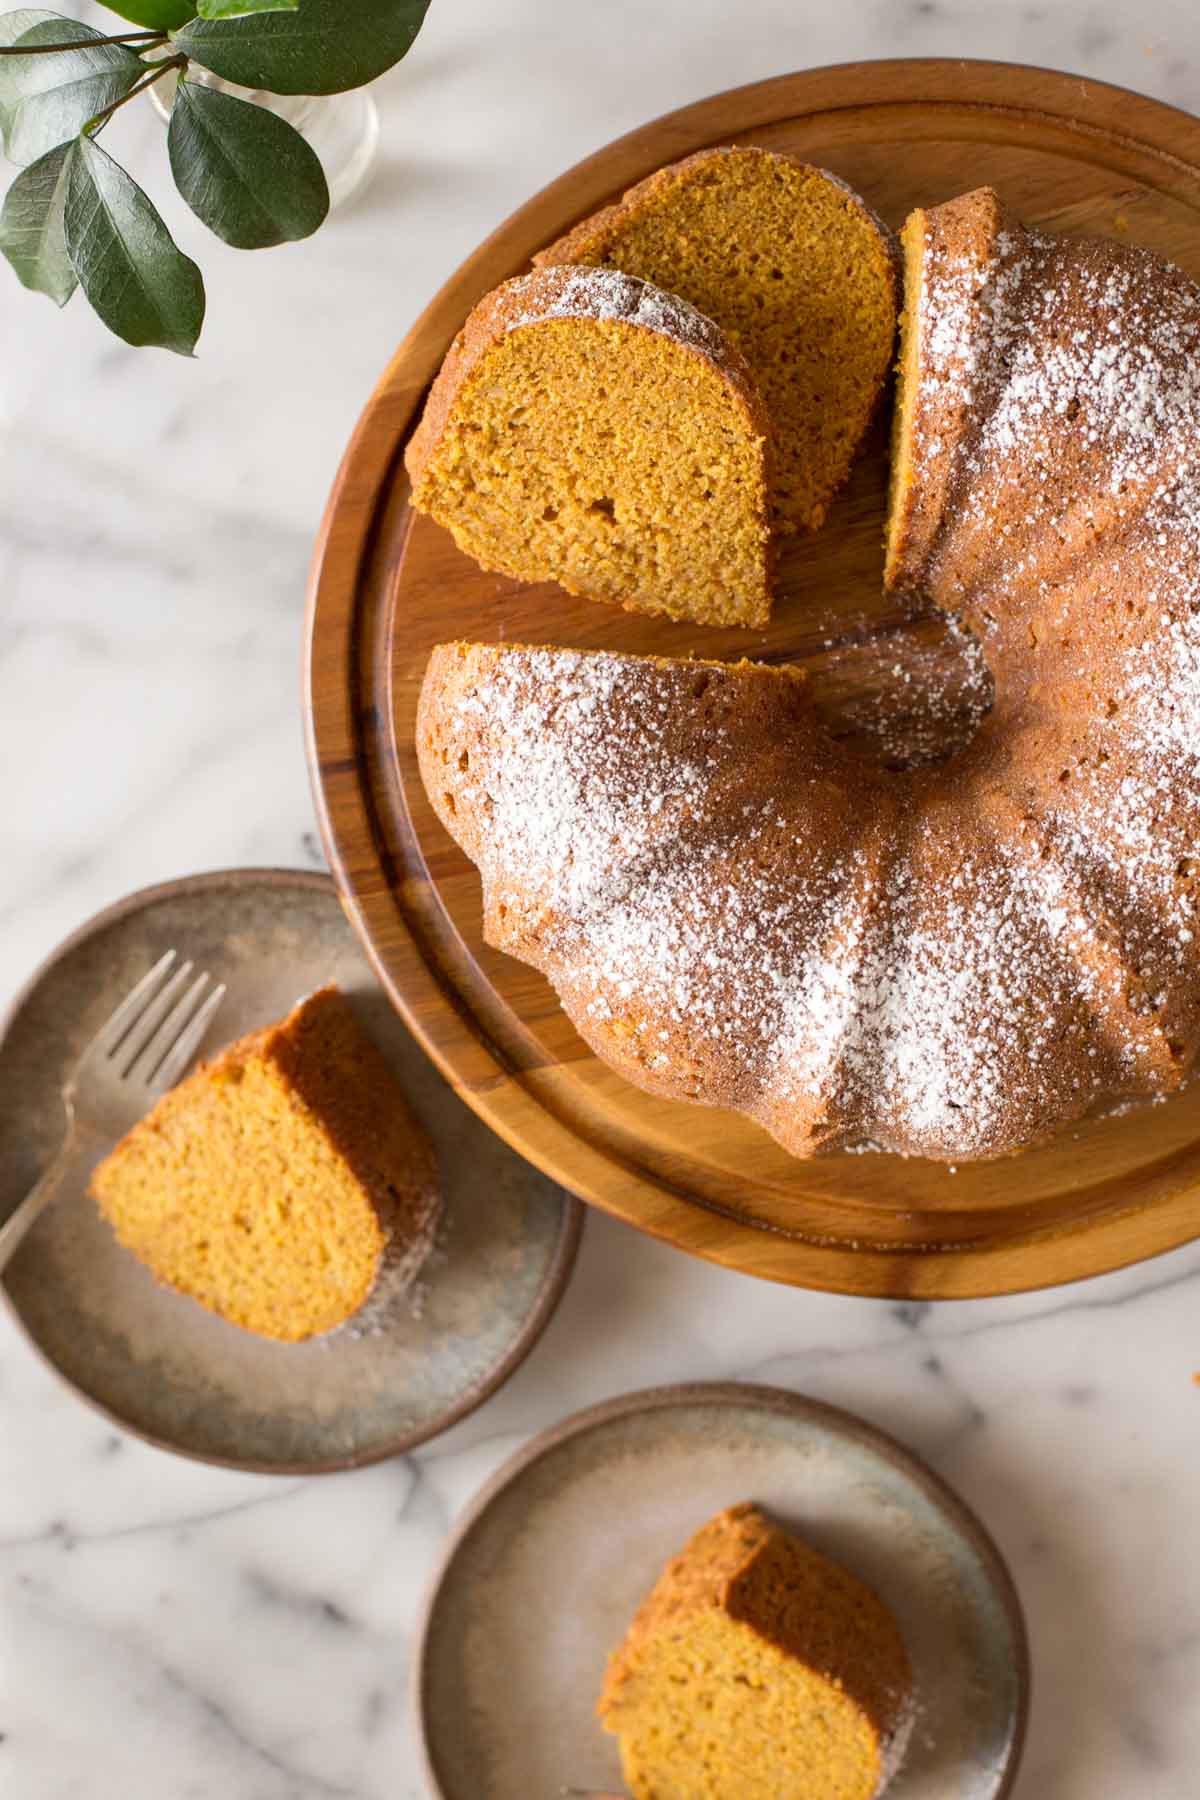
544, 1573
157, 1362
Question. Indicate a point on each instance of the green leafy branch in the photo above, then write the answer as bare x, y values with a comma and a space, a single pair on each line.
74, 218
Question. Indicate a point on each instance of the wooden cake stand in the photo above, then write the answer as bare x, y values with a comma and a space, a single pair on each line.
387, 585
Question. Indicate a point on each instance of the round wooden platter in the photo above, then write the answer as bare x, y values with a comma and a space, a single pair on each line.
387, 585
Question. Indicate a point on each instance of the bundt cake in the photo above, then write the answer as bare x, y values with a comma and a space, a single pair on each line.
276, 1182
757, 1668
952, 961
795, 269
588, 429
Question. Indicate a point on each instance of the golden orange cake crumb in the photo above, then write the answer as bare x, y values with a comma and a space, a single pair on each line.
754, 1669
591, 430
273, 1182
798, 273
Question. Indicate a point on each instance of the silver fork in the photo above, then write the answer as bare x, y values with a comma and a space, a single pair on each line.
142, 1050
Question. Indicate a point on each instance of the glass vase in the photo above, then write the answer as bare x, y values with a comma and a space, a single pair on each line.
343, 129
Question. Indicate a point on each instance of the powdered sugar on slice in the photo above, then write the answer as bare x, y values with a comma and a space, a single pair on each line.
573, 291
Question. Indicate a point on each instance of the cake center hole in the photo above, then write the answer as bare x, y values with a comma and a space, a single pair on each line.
906, 698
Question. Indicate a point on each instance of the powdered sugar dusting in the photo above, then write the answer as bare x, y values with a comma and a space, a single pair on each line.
945, 1008
834, 984
563, 810
573, 291
896, 1747
1049, 332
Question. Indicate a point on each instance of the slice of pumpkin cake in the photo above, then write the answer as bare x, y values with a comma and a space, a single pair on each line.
588, 429
799, 274
756, 1668
276, 1181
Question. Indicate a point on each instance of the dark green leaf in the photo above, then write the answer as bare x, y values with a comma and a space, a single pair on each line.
247, 174
31, 227
160, 15
324, 47
128, 265
44, 100
230, 9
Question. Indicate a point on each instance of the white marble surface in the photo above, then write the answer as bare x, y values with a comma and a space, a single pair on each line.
169, 1632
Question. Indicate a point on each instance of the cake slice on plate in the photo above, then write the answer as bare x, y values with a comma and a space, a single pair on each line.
757, 1668
276, 1182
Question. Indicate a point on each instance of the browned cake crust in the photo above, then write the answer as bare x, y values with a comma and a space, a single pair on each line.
537, 544
931, 409
805, 1605
342, 1076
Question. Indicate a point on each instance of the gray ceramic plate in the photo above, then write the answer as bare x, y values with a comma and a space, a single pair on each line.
161, 1365
544, 1572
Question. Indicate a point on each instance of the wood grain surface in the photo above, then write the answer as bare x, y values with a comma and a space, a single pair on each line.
1068, 154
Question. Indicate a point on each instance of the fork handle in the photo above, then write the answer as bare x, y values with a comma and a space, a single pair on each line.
19, 1223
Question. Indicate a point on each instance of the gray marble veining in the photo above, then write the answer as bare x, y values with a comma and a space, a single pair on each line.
170, 1632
